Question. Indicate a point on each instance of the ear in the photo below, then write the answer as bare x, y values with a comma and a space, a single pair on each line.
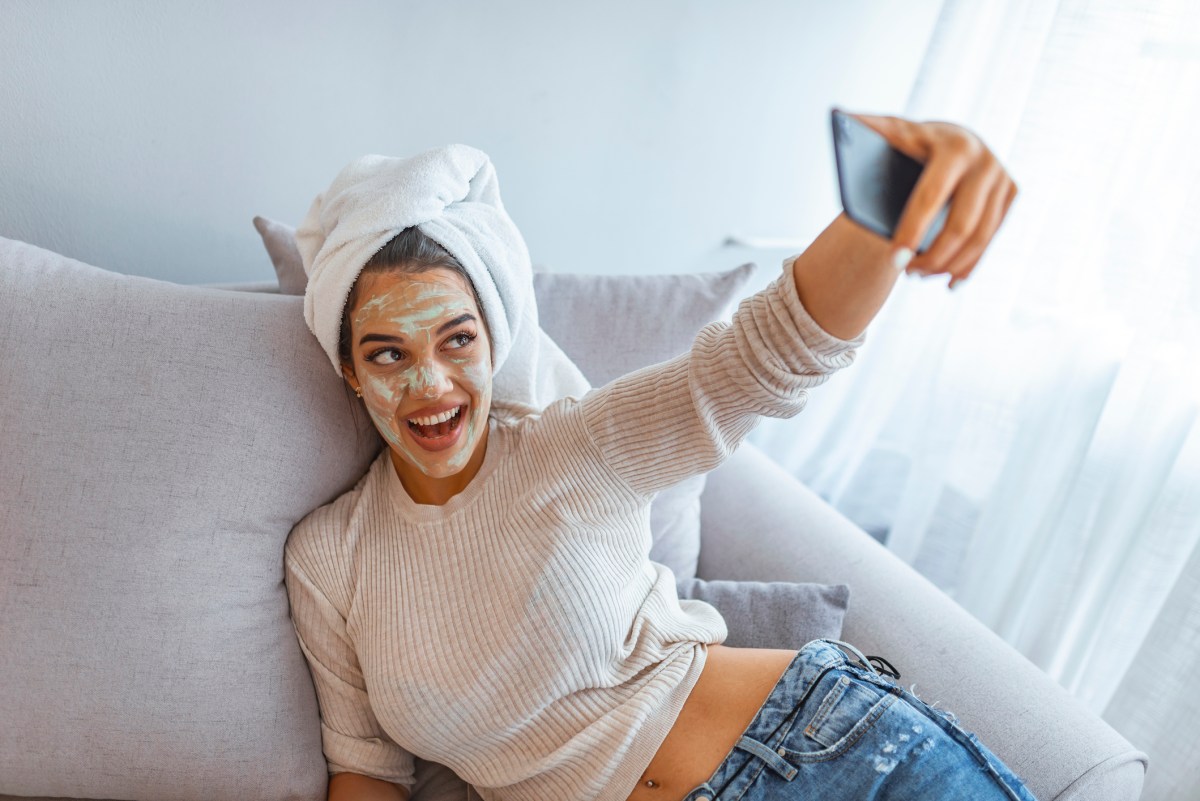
348, 372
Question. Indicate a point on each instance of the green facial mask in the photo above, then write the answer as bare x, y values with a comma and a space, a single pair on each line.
427, 368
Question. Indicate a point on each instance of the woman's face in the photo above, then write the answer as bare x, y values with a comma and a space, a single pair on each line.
420, 346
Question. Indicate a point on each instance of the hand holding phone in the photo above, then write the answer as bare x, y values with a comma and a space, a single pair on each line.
947, 205
875, 179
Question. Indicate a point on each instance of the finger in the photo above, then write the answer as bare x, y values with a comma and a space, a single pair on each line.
997, 212
933, 188
984, 232
963, 223
967, 259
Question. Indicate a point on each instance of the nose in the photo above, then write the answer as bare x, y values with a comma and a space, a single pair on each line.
431, 381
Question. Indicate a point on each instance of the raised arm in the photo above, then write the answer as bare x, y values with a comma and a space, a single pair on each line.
661, 424
658, 425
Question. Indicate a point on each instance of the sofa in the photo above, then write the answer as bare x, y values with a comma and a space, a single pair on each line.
160, 440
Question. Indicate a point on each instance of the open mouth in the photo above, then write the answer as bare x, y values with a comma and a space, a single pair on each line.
438, 430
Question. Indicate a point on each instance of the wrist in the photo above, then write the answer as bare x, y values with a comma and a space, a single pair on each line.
844, 277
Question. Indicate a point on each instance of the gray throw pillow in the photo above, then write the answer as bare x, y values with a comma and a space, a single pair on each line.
159, 443
772, 614
609, 325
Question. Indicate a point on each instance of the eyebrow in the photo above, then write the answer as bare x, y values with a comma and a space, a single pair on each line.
462, 318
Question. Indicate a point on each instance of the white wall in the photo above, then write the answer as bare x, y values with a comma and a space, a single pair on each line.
142, 137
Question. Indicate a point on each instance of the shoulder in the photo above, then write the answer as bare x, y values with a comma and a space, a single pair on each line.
560, 443
556, 429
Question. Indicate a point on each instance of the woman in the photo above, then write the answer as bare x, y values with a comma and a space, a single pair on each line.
483, 597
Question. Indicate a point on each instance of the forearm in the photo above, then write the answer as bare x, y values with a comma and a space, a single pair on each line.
356, 787
844, 277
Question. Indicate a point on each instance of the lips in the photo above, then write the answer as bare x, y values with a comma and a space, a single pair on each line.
443, 442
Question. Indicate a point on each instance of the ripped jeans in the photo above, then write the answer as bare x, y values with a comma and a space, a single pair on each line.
832, 730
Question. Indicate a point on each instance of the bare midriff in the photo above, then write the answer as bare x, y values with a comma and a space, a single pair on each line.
732, 687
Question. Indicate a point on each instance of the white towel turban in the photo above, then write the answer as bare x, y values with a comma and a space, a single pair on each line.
451, 193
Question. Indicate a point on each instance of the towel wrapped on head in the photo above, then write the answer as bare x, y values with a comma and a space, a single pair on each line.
452, 195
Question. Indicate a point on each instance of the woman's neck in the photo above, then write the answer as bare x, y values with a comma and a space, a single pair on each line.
429, 490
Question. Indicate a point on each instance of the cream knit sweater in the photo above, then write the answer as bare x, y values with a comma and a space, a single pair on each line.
519, 634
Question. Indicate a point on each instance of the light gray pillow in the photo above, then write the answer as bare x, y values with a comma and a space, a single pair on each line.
773, 614
158, 443
609, 325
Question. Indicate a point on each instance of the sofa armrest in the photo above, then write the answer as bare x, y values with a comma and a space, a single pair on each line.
759, 523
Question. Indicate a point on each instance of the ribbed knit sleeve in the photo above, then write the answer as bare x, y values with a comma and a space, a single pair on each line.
351, 736
663, 423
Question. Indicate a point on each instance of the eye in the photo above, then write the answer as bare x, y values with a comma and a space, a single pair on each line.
463, 337
371, 358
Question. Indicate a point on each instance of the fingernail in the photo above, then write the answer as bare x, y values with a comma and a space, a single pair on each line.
901, 258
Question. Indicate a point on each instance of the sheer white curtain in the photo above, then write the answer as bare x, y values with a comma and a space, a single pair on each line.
1029, 441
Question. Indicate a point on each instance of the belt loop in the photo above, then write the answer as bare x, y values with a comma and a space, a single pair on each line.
774, 759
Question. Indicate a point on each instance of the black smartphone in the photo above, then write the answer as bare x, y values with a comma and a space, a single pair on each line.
875, 179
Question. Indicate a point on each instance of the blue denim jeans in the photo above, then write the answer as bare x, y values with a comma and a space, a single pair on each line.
835, 730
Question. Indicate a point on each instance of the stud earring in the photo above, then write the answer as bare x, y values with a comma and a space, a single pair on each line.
358, 391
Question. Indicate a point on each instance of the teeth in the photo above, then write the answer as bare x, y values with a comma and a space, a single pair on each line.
440, 418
